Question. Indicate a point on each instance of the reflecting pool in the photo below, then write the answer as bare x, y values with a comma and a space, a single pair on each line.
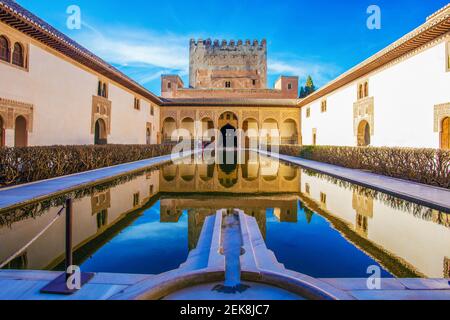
147, 223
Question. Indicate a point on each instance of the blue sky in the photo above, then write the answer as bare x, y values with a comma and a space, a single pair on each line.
323, 38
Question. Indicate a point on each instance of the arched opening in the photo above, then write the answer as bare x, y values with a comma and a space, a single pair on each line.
4, 49
207, 133
251, 131
100, 135
20, 132
168, 130
270, 132
228, 175
445, 134
289, 133
148, 136
169, 172
18, 56
2, 133
363, 134
366, 89
188, 129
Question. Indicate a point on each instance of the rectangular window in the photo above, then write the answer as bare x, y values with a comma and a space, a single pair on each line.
323, 198
152, 189
169, 85
152, 110
307, 189
308, 112
289, 86
137, 104
102, 90
228, 84
323, 106
254, 82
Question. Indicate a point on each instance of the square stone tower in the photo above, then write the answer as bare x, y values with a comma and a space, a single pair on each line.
223, 65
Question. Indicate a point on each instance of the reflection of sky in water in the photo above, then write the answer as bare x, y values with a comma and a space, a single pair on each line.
316, 248
146, 247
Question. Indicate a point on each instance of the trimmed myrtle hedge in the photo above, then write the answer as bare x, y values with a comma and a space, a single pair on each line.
22, 165
428, 166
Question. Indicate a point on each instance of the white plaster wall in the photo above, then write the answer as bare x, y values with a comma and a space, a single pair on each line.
405, 95
61, 94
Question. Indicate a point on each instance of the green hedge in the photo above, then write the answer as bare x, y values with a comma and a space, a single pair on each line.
428, 166
22, 165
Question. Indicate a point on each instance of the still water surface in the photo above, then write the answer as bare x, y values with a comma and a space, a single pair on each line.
147, 223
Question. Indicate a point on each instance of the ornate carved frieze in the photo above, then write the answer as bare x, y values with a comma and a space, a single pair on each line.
101, 109
11, 109
363, 109
441, 111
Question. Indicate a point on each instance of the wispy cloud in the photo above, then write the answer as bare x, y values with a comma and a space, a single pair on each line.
145, 55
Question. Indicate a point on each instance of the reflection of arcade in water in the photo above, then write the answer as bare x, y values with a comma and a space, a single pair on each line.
254, 187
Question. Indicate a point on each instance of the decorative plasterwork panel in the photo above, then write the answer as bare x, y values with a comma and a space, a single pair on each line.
363, 109
206, 114
101, 109
290, 114
168, 114
11, 109
440, 112
188, 114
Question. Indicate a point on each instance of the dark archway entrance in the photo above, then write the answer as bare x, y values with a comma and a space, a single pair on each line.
20, 132
100, 136
229, 136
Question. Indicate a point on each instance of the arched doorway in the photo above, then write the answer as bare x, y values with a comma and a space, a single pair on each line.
2, 133
20, 132
187, 129
363, 134
229, 136
207, 133
100, 135
445, 134
270, 132
168, 130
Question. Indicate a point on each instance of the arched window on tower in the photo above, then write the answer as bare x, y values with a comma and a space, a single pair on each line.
18, 56
4, 49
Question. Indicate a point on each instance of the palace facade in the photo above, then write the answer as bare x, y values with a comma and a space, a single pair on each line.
53, 91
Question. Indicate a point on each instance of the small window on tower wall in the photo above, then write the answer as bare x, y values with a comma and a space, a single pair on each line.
254, 82
169, 85
289, 86
227, 84
152, 110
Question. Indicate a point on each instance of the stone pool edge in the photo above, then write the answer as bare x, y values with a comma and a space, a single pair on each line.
117, 171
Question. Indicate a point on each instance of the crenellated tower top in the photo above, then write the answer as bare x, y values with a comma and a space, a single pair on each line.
233, 64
